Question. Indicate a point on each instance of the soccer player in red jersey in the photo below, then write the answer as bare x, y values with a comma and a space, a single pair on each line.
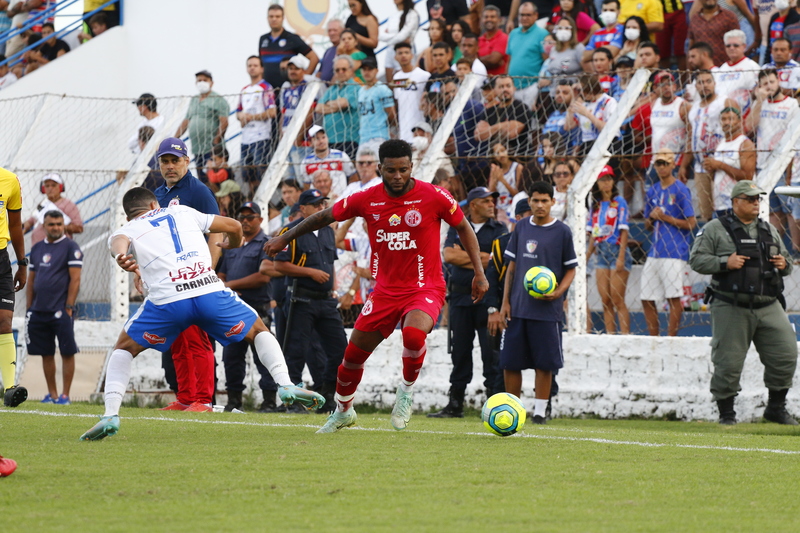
403, 220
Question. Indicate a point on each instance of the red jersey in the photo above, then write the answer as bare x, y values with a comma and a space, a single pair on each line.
403, 234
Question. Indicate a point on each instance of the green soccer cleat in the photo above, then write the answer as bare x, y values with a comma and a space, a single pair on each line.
338, 420
401, 413
290, 394
108, 426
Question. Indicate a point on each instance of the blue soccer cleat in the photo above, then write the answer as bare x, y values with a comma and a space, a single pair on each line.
108, 426
290, 394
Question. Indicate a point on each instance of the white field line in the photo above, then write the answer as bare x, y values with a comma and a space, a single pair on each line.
519, 435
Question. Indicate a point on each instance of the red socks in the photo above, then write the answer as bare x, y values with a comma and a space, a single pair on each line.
350, 372
414, 350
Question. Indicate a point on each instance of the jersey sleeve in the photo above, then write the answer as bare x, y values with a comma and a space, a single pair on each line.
649, 202
386, 98
202, 220
568, 256
349, 207
14, 202
622, 217
685, 203
448, 208
511, 248
75, 258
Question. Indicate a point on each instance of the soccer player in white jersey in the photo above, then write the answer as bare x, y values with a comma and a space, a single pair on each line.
172, 258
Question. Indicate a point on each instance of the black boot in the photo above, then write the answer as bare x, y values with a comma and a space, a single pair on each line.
268, 405
454, 408
776, 408
727, 416
234, 401
327, 390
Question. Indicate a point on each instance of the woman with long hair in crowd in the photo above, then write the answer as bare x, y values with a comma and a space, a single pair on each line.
437, 33
567, 56
400, 27
457, 30
608, 236
364, 24
552, 147
348, 46
575, 9
635, 33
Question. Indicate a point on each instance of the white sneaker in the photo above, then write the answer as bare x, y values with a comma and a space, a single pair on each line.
401, 413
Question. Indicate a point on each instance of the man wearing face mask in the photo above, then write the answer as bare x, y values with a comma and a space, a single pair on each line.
206, 120
525, 52
611, 37
508, 122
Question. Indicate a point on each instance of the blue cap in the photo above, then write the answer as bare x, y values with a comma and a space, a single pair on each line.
311, 197
481, 192
252, 206
521, 207
174, 146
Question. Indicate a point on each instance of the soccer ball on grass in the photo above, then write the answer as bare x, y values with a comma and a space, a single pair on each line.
503, 414
540, 281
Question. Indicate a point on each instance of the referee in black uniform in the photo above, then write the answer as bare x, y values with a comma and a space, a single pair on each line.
310, 303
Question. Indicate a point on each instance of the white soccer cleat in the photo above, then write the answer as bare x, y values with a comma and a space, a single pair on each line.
401, 413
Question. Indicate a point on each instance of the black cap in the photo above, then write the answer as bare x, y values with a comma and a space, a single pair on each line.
369, 62
205, 73
311, 197
146, 99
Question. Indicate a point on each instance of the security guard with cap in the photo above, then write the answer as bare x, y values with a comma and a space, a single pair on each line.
311, 303
467, 317
747, 261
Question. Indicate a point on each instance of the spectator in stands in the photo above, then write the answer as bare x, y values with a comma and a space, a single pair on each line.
279, 43
348, 46
364, 24
650, 11
591, 114
648, 56
505, 179
325, 72
54, 279
448, 10
525, 51
738, 76
704, 134
437, 33
52, 185
457, 32
336, 162
787, 68
698, 58
153, 180
635, 33
585, 25
206, 120
602, 63
290, 96
147, 106
668, 213
564, 173
400, 27
734, 159
493, 42
440, 68
339, 108
367, 168
556, 121
290, 194
7, 78
623, 66
464, 146
98, 24
668, 117
608, 236
409, 84
792, 33
709, 25
321, 181
217, 168
229, 198
469, 51
111, 12
611, 37
52, 48
423, 134
5, 22
508, 122
671, 40
376, 107
786, 15
566, 57
30, 59
551, 145
255, 113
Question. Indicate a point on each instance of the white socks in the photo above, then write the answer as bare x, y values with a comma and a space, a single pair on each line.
271, 356
539, 407
117, 376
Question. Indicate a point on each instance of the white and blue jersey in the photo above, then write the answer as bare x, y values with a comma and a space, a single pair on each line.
532, 245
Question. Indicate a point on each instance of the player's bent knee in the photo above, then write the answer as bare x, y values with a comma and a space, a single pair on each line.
413, 338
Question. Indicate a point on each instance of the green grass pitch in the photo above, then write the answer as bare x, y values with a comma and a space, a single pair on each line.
171, 471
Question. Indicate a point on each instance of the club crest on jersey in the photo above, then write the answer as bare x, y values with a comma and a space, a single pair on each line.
394, 220
174, 201
413, 218
235, 330
152, 338
530, 246
376, 216
77, 254
46, 258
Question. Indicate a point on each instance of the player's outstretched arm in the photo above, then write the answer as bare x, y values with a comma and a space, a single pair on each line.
231, 228
470, 243
314, 222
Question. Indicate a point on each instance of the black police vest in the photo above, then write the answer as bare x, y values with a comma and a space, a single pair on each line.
758, 276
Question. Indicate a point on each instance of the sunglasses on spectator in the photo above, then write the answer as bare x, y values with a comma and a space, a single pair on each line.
662, 163
246, 217
749, 199
562, 174
365, 163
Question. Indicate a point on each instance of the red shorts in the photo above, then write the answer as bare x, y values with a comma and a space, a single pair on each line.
672, 39
382, 311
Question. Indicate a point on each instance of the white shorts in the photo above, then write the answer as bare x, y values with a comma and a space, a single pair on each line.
662, 279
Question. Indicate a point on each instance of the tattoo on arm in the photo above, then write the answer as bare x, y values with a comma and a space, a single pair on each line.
314, 222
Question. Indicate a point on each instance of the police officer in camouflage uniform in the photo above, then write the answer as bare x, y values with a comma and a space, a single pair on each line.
747, 260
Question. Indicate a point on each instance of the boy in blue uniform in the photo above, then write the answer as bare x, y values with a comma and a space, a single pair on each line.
532, 336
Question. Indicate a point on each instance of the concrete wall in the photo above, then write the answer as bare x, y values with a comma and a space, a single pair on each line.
605, 376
